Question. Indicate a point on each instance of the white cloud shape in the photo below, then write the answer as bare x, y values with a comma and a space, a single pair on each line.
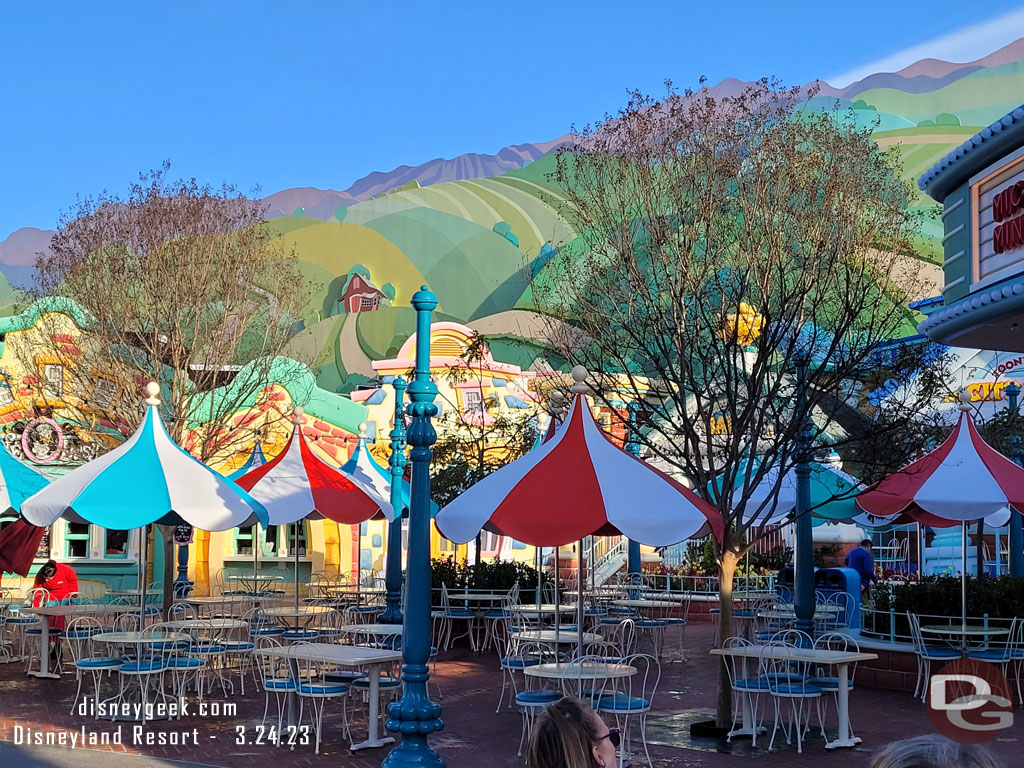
963, 45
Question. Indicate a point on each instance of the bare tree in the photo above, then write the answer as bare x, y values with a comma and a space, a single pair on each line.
177, 283
742, 260
475, 440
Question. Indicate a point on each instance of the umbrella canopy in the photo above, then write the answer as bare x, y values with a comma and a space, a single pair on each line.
578, 483
17, 481
146, 479
963, 480
298, 484
256, 459
832, 493
19, 543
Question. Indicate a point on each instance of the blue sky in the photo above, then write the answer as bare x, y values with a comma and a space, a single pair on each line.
321, 93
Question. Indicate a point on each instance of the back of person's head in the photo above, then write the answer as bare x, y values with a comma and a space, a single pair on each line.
563, 736
866, 543
48, 570
933, 751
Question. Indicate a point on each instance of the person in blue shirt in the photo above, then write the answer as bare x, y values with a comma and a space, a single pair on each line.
863, 563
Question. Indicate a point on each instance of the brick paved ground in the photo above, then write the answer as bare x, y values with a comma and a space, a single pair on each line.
473, 732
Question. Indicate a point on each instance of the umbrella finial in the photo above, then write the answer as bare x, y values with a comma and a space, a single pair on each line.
362, 431
297, 415
152, 394
579, 375
965, 400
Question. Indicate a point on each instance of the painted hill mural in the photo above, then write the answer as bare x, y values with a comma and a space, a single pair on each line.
475, 226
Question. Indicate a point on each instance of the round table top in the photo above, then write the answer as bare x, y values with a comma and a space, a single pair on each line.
353, 589
542, 608
302, 610
137, 638
574, 671
373, 629
645, 603
216, 599
250, 577
785, 614
207, 624
961, 631
551, 636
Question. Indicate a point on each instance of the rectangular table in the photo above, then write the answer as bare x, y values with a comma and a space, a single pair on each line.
838, 659
342, 656
87, 609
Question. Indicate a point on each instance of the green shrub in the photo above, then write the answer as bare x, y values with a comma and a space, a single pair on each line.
1001, 598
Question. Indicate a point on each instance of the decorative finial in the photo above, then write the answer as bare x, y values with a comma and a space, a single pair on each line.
579, 375
965, 400
152, 393
297, 415
362, 431
556, 402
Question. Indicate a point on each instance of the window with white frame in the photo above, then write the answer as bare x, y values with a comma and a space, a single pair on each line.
53, 380
103, 393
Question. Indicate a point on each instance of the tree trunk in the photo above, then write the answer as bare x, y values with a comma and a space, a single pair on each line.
726, 571
476, 549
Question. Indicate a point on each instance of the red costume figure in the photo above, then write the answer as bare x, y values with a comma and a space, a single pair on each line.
59, 581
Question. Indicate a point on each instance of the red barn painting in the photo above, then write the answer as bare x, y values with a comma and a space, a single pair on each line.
361, 296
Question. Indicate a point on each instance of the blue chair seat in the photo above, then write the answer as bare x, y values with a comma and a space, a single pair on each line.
185, 662
783, 677
77, 633
239, 645
205, 649
300, 634
343, 676
267, 631
795, 689
279, 684
743, 614
321, 689
751, 684
828, 683
538, 697
495, 615
385, 682
142, 666
611, 620
650, 624
620, 702
459, 613
34, 631
99, 662
621, 609
595, 612
997, 654
675, 622
513, 662
940, 652
22, 620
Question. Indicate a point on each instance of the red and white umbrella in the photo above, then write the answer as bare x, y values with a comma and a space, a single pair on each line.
579, 483
297, 484
963, 480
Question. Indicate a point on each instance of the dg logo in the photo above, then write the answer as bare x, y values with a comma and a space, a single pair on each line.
969, 701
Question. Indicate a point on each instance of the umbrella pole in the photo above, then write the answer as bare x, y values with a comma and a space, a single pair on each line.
255, 555
920, 553
963, 585
558, 601
296, 567
537, 558
142, 576
579, 606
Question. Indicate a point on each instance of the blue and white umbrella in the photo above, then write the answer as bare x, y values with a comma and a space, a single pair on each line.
17, 481
147, 479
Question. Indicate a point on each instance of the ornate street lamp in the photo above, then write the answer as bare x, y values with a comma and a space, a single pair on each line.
393, 574
415, 716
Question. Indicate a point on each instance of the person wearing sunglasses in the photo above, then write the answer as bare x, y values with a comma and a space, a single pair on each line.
569, 734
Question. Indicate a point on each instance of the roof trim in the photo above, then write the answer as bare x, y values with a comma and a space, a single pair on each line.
983, 137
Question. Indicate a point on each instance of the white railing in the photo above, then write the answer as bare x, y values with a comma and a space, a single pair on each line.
608, 563
893, 625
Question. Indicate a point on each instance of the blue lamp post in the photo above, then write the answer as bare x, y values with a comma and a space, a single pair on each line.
1015, 543
415, 716
633, 447
393, 575
803, 578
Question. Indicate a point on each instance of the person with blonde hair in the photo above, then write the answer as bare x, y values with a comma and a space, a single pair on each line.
569, 734
933, 751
